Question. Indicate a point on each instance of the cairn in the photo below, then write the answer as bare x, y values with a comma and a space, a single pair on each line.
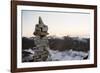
41, 41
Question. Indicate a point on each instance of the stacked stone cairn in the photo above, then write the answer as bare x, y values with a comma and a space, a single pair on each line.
41, 41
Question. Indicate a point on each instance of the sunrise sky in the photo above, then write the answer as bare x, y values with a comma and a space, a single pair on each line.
59, 23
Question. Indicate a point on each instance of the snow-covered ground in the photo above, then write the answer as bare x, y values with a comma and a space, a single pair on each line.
67, 55
61, 55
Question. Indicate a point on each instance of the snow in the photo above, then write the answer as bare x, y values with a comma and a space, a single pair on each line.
67, 55
61, 55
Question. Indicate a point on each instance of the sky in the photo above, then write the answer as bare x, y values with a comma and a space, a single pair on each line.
59, 23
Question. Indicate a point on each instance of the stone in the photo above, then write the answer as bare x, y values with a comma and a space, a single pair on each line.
40, 28
41, 41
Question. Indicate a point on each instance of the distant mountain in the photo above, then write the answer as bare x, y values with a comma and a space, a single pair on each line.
61, 44
27, 43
